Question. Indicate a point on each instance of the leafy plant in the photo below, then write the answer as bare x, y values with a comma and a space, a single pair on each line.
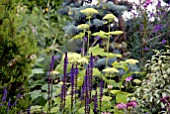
155, 88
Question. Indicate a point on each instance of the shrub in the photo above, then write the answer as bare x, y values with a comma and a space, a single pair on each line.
155, 88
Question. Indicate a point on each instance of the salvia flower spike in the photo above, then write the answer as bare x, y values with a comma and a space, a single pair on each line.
72, 73
101, 92
86, 92
49, 82
63, 89
76, 75
95, 103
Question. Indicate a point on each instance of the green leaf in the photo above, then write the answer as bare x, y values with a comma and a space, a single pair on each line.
111, 55
115, 91
115, 32
36, 108
37, 71
121, 97
54, 109
106, 98
81, 110
96, 50
101, 34
79, 36
35, 94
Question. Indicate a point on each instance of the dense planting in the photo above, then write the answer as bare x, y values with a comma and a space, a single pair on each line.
75, 57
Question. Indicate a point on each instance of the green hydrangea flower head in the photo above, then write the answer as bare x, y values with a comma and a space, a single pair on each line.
83, 27
89, 12
109, 17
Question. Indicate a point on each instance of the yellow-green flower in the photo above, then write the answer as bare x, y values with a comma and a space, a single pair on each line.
73, 57
137, 81
83, 27
89, 12
111, 70
132, 61
109, 17
83, 60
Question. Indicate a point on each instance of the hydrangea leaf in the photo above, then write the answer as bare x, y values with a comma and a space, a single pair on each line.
115, 33
79, 36
121, 97
96, 50
101, 34
106, 98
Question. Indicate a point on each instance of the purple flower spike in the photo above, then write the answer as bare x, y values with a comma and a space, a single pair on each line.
87, 99
4, 96
157, 28
101, 92
159, 3
163, 41
72, 84
76, 75
95, 103
9, 103
52, 62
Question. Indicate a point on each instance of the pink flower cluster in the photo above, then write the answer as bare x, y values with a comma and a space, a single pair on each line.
127, 105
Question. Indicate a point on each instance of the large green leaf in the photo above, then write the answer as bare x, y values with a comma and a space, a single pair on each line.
96, 50
121, 97
35, 94
101, 34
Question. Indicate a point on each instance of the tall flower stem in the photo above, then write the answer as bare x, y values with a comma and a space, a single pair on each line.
88, 43
108, 44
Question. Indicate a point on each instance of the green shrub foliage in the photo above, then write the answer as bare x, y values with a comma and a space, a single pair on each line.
17, 49
156, 85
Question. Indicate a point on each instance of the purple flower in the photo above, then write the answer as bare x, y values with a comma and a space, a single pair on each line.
131, 104
4, 96
9, 103
128, 79
157, 28
121, 106
18, 96
52, 62
159, 3
146, 48
163, 41
101, 92
72, 84
63, 89
76, 75
95, 103
97, 37
86, 80
85, 39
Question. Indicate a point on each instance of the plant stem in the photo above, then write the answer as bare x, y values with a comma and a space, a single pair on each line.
88, 38
108, 43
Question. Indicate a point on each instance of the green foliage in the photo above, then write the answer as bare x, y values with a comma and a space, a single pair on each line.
156, 85
17, 50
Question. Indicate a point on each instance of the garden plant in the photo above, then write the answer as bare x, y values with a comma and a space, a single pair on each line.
84, 57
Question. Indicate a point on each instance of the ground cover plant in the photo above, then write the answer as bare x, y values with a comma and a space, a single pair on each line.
75, 57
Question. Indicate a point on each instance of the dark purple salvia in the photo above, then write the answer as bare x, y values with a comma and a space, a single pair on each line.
63, 91
90, 69
72, 73
4, 96
95, 103
101, 92
49, 82
86, 80
18, 96
28, 110
76, 76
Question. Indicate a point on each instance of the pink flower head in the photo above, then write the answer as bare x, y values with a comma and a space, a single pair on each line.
132, 104
121, 106
128, 79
